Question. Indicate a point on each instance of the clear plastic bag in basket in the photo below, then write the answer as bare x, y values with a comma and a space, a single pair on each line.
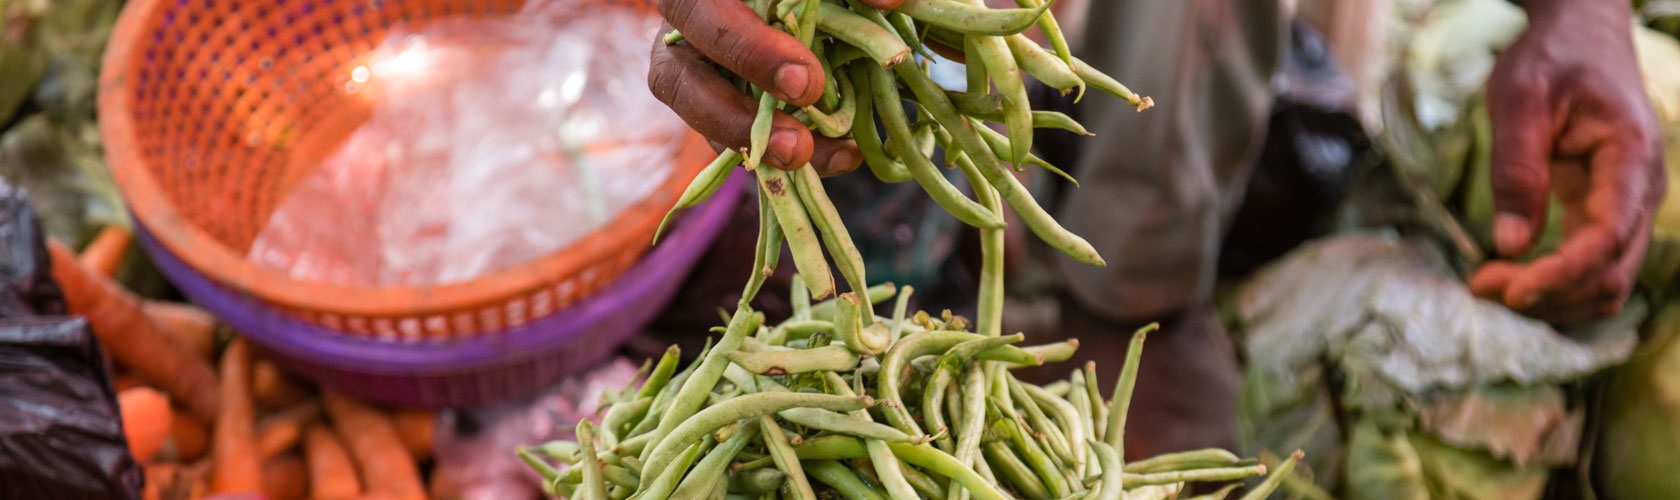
492, 142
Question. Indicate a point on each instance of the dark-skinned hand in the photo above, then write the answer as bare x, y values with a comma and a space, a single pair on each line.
1570, 118
725, 33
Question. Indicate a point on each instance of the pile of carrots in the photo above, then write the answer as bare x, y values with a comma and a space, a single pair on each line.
205, 418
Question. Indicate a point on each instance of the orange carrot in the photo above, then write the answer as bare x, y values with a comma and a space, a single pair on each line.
105, 253
273, 387
132, 339
187, 439
146, 421
281, 431
331, 475
238, 464
191, 326
416, 428
385, 465
285, 478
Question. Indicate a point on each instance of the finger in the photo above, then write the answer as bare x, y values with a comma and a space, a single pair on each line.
1522, 145
1490, 280
1586, 252
835, 156
684, 81
728, 32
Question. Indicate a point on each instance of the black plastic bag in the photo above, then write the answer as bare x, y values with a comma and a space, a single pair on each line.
61, 434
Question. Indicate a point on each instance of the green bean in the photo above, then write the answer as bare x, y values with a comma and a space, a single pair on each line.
768, 251
1216, 474
808, 22
764, 403
1067, 416
1012, 469
872, 339
1112, 489
619, 477
925, 137
976, 103
830, 98
693, 392
799, 329
1033, 454
938, 462
908, 348
1122, 402
1008, 187
1276, 478
661, 486
704, 185
874, 15
1106, 83
843, 424
842, 479
1081, 402
1099, 409
839, 122
1040, 119
754, 464
970, 428
564, 451
884, 47
633, 445
933, 406
824, 311
972, 19
886, 465
899, 309
673, 37
1052, 32
905, 26
831, 447
619, 415
632, 464
885, 168
1055, 438
756, 480
929, 177
796, 227
1006, 76
783, 362
1057, 352
710, 469
1000, 146
1044, 66
799, 299
543, 469
974, 69
594, 485
1184, 460
923, 483
953, 403
782, 453
662, 372
959, 355
761, 130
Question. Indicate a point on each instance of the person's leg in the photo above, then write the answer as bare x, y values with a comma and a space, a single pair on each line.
1158, 190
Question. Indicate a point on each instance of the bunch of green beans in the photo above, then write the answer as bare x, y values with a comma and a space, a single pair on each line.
799, 411
840, 402
871, 77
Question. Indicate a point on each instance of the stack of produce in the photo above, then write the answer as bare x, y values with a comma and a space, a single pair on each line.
205, 418
839, 402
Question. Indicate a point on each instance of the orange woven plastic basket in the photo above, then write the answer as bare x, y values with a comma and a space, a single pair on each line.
212, 111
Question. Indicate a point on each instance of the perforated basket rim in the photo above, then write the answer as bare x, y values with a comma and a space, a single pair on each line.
194, 246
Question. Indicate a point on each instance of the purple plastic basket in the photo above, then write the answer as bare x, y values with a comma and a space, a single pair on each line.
486, 369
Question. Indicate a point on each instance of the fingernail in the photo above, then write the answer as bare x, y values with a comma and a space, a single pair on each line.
1510, 233
782, 144
842, 161
794, 79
